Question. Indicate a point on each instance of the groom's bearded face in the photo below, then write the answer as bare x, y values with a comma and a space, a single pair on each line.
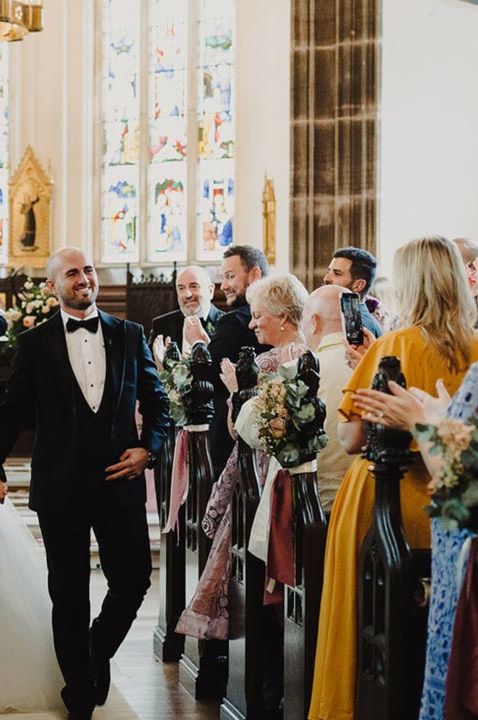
76, 281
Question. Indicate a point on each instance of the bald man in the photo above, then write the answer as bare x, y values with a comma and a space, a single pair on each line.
82, 372
195, 290
322, 326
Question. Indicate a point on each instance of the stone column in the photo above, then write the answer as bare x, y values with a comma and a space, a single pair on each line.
334, 127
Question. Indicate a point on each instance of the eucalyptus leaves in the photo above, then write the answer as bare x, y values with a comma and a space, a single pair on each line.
176, 378
287, 417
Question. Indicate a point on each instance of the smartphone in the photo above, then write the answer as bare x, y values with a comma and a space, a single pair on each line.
351, 318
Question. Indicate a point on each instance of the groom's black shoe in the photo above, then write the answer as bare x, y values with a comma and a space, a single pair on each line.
100, 668
101, 679
82, 714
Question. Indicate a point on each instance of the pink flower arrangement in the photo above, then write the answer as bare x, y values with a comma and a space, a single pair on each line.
455, 488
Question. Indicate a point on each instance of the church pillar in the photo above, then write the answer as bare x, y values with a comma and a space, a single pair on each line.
334, 124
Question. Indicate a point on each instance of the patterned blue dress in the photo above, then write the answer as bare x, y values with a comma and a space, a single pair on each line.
446, 545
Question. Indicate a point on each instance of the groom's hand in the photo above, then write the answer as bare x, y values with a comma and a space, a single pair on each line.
3, 491
132, 463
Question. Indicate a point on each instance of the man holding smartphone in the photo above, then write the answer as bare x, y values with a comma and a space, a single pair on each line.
355, 269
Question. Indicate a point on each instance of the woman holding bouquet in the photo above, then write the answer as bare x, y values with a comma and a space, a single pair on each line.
436, 340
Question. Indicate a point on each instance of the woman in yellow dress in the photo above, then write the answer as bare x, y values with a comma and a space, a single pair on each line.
437, 340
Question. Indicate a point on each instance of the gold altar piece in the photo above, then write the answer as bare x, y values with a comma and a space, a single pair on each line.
30, 213
17, 19
269, 220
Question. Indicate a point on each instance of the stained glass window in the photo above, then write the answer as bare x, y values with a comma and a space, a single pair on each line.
121, 131
4, 159
215, 114
168, 132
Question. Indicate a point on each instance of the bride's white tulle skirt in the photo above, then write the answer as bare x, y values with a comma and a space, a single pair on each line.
30, 679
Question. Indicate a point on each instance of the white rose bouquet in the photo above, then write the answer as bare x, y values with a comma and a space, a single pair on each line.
37, 303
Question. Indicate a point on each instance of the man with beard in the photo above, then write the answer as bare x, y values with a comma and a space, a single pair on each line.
82, 371
241, 266
355, 269
195, 290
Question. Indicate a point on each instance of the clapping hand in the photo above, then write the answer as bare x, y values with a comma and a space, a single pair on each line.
228, 375
354, 353
403, 408
159, 349
194, 331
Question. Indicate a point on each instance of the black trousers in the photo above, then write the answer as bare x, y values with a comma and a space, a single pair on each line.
122, 535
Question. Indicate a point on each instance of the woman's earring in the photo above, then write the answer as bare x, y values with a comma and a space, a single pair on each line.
282, 328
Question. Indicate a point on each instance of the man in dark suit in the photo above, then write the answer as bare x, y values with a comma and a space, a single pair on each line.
241, 266
195, 290
83, 371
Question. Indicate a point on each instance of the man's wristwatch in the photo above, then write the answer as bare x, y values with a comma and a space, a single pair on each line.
151, 460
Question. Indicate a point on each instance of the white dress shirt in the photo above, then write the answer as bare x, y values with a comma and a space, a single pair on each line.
333, 461
86, 351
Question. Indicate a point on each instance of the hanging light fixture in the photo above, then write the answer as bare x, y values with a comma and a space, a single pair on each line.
17, 19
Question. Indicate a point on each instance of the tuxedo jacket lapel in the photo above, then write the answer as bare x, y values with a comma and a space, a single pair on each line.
55, 347
115, 351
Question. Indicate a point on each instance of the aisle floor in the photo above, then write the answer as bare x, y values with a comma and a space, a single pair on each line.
150, 687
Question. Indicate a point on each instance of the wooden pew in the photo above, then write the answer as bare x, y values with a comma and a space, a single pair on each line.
203, 664
168, 645
391, 623
302, 602
244, 695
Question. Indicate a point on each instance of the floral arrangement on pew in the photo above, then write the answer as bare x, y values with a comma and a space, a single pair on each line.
290, 417
177, 379
37, 303
455, 488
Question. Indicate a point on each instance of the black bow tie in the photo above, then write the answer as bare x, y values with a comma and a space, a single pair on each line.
91, 325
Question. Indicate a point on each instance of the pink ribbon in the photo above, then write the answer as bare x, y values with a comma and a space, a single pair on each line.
179, 480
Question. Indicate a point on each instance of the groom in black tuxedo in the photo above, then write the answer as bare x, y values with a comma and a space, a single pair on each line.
83, 371
195, 290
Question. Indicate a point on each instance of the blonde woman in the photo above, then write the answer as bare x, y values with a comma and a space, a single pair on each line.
436, 340
277, 304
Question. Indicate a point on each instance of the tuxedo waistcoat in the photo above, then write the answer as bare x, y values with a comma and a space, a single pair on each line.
93, 441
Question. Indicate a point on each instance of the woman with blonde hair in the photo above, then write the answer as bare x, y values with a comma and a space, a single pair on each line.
436, 341
277, 303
